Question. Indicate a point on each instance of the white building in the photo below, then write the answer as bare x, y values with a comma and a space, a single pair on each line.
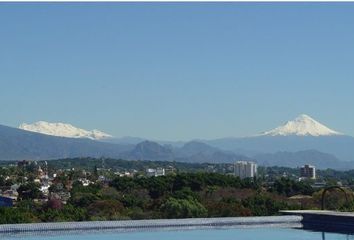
45, 188
84, 181
244, 169
160, 172
151, 172
308, 172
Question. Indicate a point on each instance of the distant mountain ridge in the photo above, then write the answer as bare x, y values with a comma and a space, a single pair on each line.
18, 144
300, 134
287, 145
148, 150
297, 159
190, 152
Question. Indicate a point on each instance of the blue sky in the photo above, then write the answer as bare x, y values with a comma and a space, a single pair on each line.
177, 71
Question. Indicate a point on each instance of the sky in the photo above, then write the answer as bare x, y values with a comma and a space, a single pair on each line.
177, 71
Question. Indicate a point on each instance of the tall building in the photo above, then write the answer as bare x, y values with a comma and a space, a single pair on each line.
308, 171
244, 169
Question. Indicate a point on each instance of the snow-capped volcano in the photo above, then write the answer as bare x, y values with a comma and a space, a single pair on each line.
303, 125
64, 130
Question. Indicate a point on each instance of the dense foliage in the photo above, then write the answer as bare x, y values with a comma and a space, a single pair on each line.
290, 187
182, 195
198, 190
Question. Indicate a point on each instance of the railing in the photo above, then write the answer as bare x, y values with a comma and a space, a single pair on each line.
330, 188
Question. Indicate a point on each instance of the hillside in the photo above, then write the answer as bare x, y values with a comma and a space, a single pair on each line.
17, 144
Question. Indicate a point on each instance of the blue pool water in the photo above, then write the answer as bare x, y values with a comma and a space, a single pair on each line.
261, 233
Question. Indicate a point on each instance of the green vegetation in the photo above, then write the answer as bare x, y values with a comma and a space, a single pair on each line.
191, 190
182, 195
288, 187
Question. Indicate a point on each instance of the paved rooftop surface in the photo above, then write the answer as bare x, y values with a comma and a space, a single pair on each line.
318, 212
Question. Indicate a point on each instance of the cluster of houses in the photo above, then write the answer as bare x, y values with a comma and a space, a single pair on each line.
52, 186
9, 195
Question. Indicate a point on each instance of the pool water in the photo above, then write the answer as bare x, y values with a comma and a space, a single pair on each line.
262, 233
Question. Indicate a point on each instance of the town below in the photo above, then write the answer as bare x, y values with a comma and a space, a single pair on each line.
88, 189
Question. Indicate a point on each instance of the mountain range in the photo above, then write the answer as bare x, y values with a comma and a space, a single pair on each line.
302, 140
296, 159
17, 144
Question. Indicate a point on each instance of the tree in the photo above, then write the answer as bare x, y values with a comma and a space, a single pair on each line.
263, 205
54, 204
67, 213
183, 208
105, 209
15, 215
289, 187
29, 191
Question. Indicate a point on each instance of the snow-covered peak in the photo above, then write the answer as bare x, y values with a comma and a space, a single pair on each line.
303, 125
64, 130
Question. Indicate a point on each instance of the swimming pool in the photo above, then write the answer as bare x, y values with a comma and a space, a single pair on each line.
263, 233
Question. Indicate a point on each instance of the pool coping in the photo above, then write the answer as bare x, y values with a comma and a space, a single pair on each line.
150, 224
